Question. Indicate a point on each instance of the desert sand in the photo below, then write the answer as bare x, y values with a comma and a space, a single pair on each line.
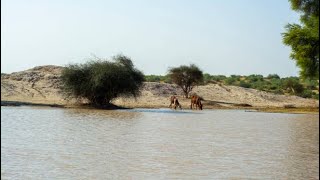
42, 84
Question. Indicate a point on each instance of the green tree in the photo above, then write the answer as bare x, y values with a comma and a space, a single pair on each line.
99, 81
273, 76
304, 39
186, 77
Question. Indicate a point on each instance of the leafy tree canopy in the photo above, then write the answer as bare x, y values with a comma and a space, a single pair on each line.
186, 77
273, 76
307, 7
99, 80
304, 39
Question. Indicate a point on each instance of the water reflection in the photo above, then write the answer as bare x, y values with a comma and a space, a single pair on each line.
107, 114
52, 143
167, 111
303, 143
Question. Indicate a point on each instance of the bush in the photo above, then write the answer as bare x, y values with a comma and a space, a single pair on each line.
152, 78
236, 77
273, 76
306, 94
166, 79
255, 78
311, 84
219, 78
293, 85
230, 81
99, 81
260, 85
206, 78
244, 84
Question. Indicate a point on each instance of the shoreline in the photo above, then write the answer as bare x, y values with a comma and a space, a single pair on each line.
21, 103
291, 110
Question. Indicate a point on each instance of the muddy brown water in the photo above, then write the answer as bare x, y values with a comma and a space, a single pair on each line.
56, 143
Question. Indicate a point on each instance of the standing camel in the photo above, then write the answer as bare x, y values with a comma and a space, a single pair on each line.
196, 100
174, 101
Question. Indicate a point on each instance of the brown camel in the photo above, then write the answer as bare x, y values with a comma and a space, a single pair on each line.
174, 101
196, 100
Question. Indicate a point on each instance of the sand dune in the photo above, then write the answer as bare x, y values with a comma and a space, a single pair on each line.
42, 85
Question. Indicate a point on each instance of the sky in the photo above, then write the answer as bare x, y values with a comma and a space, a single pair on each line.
220, 37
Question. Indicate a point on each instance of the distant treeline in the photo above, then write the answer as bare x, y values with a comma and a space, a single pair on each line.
272, 83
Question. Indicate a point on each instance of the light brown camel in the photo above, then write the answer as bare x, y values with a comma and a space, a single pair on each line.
196, 100
174, 101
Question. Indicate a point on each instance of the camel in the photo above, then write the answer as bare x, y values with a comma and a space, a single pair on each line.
174, 101
196, 100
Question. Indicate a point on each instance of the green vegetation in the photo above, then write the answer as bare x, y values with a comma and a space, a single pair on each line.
272, 83
275, 84
156, 78
186, 77
304, 39
99, 81
207, 78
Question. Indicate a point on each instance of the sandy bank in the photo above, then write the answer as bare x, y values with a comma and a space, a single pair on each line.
41, 85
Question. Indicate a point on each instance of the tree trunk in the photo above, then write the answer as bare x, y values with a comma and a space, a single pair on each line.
186, 94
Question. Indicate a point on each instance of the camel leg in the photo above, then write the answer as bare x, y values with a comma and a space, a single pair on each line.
170, 106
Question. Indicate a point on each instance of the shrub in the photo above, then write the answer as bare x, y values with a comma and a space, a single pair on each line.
293, 85
244, 84
152, 78
311, 84
306, 94
236, 77
100, 81
273, 76
230, 81
255, 78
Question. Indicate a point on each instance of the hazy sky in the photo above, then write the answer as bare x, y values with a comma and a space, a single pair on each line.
221, 37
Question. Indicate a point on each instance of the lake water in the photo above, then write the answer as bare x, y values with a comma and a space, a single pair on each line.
56, 143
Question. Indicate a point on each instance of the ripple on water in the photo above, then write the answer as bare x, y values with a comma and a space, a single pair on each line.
54, 143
